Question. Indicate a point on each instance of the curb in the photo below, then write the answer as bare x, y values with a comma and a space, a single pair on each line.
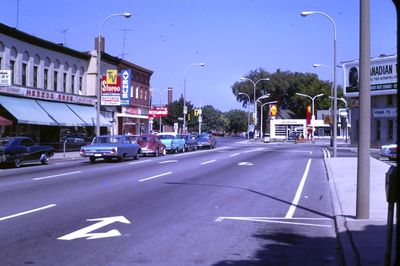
348, 249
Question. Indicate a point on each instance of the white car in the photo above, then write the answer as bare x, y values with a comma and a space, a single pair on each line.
389, 151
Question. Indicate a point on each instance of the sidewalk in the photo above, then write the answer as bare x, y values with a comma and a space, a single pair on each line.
362, 240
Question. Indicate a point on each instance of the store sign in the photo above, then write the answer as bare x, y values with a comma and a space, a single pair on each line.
126, 77
383, 76
47, 95
110, 92
384, 112
158, 112
5, 77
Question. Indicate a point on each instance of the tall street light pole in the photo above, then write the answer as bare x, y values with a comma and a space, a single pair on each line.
331, 97
255, 101
184, 94
312, 108
304, 14
248, 116
98, 78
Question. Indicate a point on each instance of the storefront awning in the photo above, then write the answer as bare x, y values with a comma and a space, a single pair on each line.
89, 115
61, 113
26, 111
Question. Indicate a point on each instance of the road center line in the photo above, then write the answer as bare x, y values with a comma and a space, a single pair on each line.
27, 212
152, 177
51, 176
211, 161
296, 199
141, 161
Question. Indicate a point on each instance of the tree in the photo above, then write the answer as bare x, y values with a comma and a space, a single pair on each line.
238, 121
175, 111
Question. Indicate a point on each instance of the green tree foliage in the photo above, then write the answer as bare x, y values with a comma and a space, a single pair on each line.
238, 121
282, 87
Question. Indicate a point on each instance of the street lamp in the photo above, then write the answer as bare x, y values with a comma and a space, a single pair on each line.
184, 94
312, 108
304, 14
255, 101
262, 106
248, 115
98, 79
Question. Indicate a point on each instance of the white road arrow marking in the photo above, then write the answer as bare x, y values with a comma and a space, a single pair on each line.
86, 232
245, 163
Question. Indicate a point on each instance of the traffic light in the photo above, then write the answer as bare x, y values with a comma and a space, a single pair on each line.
196, 112
188, 117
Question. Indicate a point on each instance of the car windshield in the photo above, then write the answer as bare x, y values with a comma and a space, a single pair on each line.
107, 139
4, 142
166, 136
144, 138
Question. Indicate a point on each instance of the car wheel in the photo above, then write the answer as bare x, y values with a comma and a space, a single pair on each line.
164, 152
156, 153
17, 163
136, 157
122, 158
44, 159
92, 159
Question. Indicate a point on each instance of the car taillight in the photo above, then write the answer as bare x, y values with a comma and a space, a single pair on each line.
114, 150
82, 151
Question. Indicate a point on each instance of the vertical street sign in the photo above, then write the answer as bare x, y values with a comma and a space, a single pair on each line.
126, 77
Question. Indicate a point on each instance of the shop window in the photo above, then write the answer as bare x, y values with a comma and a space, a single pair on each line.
65, 82
35, 76
45, 78
378, 129
12, 68
80, 86
389, 100
390, 129
24, 73
73, 83
55, 80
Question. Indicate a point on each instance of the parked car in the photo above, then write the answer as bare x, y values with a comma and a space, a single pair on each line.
389, 151
109, 147
172, 141
190, 142
206, 140
16, 150
151, 144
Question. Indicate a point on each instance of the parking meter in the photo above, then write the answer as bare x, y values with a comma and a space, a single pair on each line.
392, 195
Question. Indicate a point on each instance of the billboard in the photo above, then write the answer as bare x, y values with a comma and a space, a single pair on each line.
383, 76
116, 89
158, 112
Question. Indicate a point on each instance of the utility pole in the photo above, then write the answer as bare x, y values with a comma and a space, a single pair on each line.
123, 42
363, 162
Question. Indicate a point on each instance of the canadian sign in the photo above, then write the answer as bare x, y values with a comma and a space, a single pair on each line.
383, 76
158, 112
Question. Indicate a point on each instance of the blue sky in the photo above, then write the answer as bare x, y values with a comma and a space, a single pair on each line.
231, 36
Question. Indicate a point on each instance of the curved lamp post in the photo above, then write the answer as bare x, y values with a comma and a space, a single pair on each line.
98, 79
312, 108
255, 101
304, 14
184, 94
248, 115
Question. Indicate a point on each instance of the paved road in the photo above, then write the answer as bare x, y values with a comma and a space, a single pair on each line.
240, 204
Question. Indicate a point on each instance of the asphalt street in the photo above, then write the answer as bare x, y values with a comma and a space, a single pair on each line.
239, 204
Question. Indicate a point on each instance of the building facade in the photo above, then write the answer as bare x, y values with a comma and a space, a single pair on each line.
383, 77
48, 91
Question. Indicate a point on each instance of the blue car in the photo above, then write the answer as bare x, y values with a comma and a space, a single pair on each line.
173, 142
206, 140
109, 147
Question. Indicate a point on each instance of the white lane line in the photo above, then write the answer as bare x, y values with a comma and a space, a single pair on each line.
155, 176
211, 161
291, 221
235, 154
296, 199
141, 161
258, 149
27, 212
169, 161
52, 176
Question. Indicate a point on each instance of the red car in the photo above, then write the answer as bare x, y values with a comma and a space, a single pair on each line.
151, 144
